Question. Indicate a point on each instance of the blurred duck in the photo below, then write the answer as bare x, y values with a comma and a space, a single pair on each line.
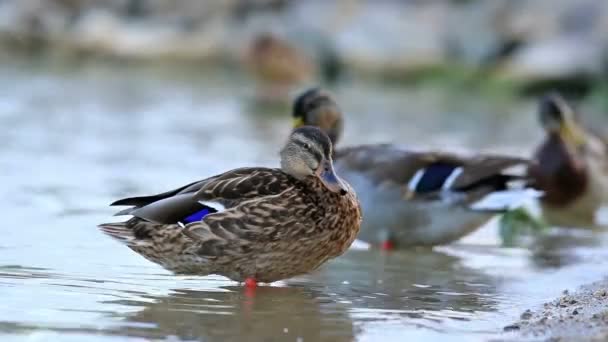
254, 223
277, 65
280, 66
417, 198
571, 166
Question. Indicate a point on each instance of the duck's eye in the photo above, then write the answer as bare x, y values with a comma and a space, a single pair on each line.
307, 146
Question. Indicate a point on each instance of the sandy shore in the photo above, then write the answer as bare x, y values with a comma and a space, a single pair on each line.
581, 315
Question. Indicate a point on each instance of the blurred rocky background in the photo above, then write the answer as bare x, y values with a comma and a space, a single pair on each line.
531, 44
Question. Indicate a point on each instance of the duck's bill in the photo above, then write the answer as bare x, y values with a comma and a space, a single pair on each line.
572, 133
328, 176
298, 122
558, 116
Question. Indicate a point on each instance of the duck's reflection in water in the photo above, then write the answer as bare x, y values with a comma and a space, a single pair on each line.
422, 288
563, 247
239, 314
418, 282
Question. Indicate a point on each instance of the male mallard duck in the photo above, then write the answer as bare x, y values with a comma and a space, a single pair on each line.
416, 198
571, 166
277, 223
277, 65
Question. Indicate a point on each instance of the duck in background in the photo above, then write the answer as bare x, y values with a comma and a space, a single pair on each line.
571, 166
417, 198
279, 66
249, 224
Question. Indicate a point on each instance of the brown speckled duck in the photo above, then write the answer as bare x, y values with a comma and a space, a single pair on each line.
277, 65
275, 223
417, 198
571, 167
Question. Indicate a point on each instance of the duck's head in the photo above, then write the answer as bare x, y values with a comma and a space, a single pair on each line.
558, 119
316, 107
264, 41
308, 153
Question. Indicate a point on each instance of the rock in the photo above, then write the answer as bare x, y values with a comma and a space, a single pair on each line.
512, 327
526, 315
528, 41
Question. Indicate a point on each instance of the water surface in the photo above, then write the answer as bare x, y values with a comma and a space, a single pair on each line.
76, 137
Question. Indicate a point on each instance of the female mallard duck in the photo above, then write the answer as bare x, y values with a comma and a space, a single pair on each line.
276, 223
416, 198
277, 65
571, 166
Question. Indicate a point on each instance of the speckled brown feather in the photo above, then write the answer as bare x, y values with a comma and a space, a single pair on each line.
243, 184
274, 220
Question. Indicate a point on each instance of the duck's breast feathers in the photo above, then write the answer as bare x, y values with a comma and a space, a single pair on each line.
424, 171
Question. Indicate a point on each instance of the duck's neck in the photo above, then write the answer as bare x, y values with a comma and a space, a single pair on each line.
559, 172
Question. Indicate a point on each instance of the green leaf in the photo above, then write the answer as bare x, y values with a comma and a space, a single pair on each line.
518, 222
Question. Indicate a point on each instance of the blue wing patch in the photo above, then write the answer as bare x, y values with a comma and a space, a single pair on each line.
199, 215
434, 177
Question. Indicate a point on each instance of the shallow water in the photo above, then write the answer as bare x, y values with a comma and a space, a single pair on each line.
76, 137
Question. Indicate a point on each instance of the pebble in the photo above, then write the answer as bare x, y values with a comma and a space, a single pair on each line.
512, 327
575, 312
527, 314
600, 293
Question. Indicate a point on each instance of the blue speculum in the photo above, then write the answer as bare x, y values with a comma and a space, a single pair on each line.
197, 216
434, 177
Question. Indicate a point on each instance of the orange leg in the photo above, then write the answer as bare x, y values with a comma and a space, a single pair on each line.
387, 245
251, 283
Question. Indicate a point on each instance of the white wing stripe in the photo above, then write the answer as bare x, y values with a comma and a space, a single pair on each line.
451, 179
413, 183
215, 205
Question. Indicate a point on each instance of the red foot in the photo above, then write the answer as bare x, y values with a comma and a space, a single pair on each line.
251, 283
387, 245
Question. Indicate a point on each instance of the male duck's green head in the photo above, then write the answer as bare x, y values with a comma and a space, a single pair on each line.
308, 154
316, 107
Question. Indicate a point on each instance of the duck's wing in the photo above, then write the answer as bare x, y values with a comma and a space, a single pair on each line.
430, 175
258, 223
260, 214
194, 201
141, 201
240, 185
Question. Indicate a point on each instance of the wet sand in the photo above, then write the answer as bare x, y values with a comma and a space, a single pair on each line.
574, 316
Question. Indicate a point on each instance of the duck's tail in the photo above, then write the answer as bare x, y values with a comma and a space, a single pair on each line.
505, 200
487, 184
120, 232
165, 245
